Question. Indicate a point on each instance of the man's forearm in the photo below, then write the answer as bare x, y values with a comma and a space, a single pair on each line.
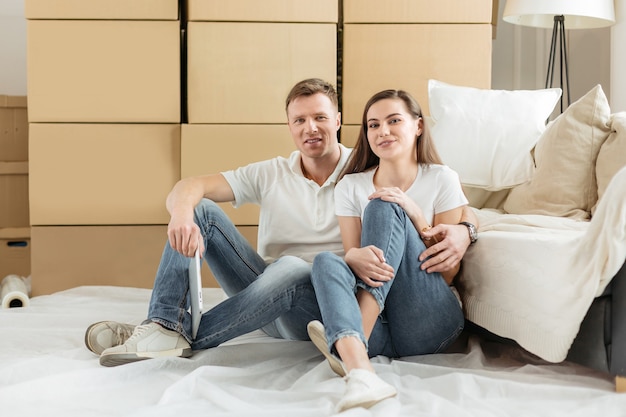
469, 216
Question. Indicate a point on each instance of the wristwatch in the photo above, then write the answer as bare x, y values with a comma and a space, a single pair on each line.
473, 233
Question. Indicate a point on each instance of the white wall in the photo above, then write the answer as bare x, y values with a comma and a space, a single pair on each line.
12, 48
618, 59
520, 57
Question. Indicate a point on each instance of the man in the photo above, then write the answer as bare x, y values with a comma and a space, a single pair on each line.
269, 290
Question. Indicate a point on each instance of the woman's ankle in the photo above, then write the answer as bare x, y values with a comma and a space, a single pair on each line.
352, 352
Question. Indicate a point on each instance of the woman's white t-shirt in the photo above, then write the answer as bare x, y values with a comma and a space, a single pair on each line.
436, 189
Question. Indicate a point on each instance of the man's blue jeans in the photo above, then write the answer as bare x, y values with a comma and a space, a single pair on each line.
421, 314
277, 298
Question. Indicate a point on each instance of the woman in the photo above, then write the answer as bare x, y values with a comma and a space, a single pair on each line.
393, 189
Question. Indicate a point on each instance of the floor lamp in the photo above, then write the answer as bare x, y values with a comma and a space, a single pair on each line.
559, 15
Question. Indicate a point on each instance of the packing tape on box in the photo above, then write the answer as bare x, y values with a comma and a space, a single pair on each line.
14, 292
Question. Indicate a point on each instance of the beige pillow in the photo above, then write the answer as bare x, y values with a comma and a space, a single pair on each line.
564, 183
612, 156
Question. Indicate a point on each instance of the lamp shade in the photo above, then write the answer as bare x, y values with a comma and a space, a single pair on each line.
579, 14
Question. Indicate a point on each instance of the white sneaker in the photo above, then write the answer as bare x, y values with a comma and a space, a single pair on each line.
147, 341
364, 389
317, 334
105, 334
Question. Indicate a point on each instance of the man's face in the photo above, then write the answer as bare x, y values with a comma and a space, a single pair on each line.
313, 123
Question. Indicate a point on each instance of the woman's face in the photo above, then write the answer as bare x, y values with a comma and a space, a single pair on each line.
391, 130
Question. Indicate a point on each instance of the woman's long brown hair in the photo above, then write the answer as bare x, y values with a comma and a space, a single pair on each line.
363, 158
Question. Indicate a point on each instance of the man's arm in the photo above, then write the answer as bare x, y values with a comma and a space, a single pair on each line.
453, 239
183, 234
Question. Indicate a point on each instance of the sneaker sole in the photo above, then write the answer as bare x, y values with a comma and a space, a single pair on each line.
115, 359
91, 347
316, 333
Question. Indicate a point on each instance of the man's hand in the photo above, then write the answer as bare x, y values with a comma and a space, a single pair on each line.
447, 254
185, 237
369, 265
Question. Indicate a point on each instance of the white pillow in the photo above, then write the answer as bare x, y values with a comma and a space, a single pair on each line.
487, 136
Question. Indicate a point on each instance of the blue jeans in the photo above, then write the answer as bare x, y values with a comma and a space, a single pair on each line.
277, 298
420, 313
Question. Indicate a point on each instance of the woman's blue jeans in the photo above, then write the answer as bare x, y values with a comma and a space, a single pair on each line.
421, 314
277, 298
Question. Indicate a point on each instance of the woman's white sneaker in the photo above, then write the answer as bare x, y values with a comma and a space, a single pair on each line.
364, 389
317, 333
148, 341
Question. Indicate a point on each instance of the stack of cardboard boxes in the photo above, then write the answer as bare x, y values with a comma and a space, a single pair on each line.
243, 58
14, 222
104, 113
108, 116
403, 43
128, 96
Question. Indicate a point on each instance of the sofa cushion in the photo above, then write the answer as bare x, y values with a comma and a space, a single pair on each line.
486, 136
612, 155
564, 182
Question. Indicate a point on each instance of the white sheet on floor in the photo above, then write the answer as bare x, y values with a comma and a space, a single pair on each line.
45, 370
532, 278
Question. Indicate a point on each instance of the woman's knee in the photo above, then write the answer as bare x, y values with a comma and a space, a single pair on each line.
378, 205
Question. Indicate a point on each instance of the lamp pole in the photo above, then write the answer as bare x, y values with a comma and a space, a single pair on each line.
558, 36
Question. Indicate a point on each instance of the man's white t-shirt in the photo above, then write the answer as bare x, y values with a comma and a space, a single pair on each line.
436, 189
297, 216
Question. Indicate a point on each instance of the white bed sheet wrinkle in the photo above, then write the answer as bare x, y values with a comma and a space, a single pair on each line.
255, 375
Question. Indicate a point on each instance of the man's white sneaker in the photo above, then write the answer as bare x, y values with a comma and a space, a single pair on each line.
105, 334
364, 389
317, 334
148, 341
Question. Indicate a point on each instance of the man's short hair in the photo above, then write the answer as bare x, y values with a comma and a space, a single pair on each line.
313, 86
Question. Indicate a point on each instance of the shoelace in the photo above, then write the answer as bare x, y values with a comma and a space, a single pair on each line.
138, 332
122, 334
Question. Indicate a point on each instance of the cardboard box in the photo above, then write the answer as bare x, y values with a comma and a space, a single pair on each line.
417, 11
209, 149
242, 72
13, 128
102, 173
349, 135
14, 194
407, 56
69, 256
494, 18
102, 9
108, 71
319, 11
15, 252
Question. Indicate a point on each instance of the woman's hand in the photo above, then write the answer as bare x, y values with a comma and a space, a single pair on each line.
396, 195
369, 265
410, 207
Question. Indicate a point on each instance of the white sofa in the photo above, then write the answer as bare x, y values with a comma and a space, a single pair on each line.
551, 201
